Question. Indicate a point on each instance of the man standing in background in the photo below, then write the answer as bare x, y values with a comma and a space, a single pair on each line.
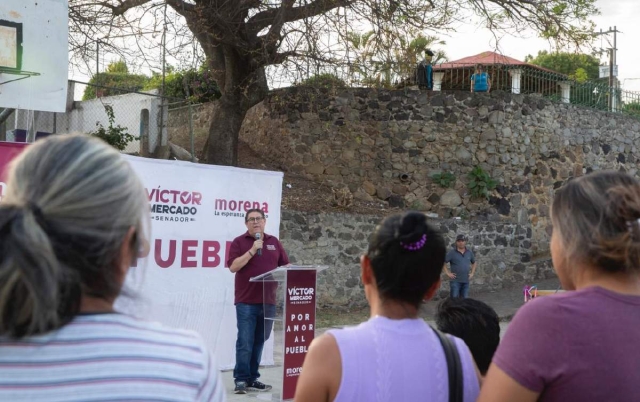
251, 254
425, 71
463, 267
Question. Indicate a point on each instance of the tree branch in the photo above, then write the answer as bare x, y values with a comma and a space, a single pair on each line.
181, 7
265, 18
123, 7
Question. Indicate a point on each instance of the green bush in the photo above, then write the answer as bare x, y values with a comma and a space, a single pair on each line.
200, 84
108, 82
444, 179
116, 136
632, 108
480, 183
325, 80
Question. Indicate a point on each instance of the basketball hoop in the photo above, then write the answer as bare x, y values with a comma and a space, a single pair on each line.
11, 52
34, 38
23, 74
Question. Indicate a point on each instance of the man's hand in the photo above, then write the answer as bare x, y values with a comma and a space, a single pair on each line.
451, 275
257, 245
471, 275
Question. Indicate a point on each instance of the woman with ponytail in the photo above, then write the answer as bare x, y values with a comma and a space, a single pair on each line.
395, 355
72, 222
580, 345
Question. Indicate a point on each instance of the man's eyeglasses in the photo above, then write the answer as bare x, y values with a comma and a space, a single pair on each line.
256, 219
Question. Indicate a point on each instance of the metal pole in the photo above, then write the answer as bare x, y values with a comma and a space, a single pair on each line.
615, 64
193, 145
97, 57
164, 57
611, 80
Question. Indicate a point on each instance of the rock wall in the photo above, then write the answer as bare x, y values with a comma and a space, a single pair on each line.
388, 145
338, 240
179, 128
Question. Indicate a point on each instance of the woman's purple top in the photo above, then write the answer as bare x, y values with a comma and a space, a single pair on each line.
386, 360
576, 346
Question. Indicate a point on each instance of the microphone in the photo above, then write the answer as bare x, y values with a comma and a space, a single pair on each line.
257, 236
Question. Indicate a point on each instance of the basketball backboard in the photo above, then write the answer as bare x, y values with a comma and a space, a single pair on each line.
34, 55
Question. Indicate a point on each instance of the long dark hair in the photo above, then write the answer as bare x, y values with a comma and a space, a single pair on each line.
407, 255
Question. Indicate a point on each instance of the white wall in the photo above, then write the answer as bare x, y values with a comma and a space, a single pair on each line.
84, 115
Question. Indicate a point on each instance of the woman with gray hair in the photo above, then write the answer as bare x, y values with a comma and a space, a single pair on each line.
71, 224
581, 345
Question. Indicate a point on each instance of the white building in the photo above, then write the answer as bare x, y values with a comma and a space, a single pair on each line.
139, 113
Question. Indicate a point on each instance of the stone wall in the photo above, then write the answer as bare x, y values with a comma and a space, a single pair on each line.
387, 145
178, 127
338, 240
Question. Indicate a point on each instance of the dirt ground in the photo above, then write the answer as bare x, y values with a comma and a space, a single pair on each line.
301, 194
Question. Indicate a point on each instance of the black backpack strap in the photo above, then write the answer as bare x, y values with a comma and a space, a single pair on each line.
454, 367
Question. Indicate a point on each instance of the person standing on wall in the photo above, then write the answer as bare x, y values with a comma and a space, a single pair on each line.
251, 254
463, 267
480, 81
425, 71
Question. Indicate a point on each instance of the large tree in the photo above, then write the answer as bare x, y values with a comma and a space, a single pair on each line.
578, 66
242, 38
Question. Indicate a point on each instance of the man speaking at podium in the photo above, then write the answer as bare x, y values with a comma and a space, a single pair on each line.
251, 254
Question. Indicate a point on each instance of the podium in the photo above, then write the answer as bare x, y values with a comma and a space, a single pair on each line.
292, 319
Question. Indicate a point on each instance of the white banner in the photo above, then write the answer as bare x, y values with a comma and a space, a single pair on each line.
196, 211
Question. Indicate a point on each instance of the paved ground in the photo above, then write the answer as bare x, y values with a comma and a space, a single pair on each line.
506, 302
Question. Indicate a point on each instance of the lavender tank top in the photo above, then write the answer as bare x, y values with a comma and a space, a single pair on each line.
386, 360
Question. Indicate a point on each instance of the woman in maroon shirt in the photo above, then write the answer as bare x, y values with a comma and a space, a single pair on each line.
581, 345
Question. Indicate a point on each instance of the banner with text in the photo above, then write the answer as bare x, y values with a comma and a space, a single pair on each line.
196, 211
8, 151
300, 321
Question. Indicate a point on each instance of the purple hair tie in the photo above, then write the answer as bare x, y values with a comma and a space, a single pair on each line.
415, 246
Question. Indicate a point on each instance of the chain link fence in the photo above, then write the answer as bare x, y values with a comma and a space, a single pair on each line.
135, 122
148, 124
514, 78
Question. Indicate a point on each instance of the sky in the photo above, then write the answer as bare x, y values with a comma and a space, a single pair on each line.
469, 39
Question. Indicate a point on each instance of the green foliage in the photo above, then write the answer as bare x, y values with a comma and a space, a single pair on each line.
198, 86
632, 108
579, 67
118, 67
480, 183
116, 76
444, 179
116, 136
383, 59
110, 81
324, 80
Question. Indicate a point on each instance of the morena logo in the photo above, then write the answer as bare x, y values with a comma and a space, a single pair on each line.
224, 207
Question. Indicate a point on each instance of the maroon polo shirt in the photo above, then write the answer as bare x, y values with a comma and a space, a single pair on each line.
273, 256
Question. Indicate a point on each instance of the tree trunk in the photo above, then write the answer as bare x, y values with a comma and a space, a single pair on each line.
222, 144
